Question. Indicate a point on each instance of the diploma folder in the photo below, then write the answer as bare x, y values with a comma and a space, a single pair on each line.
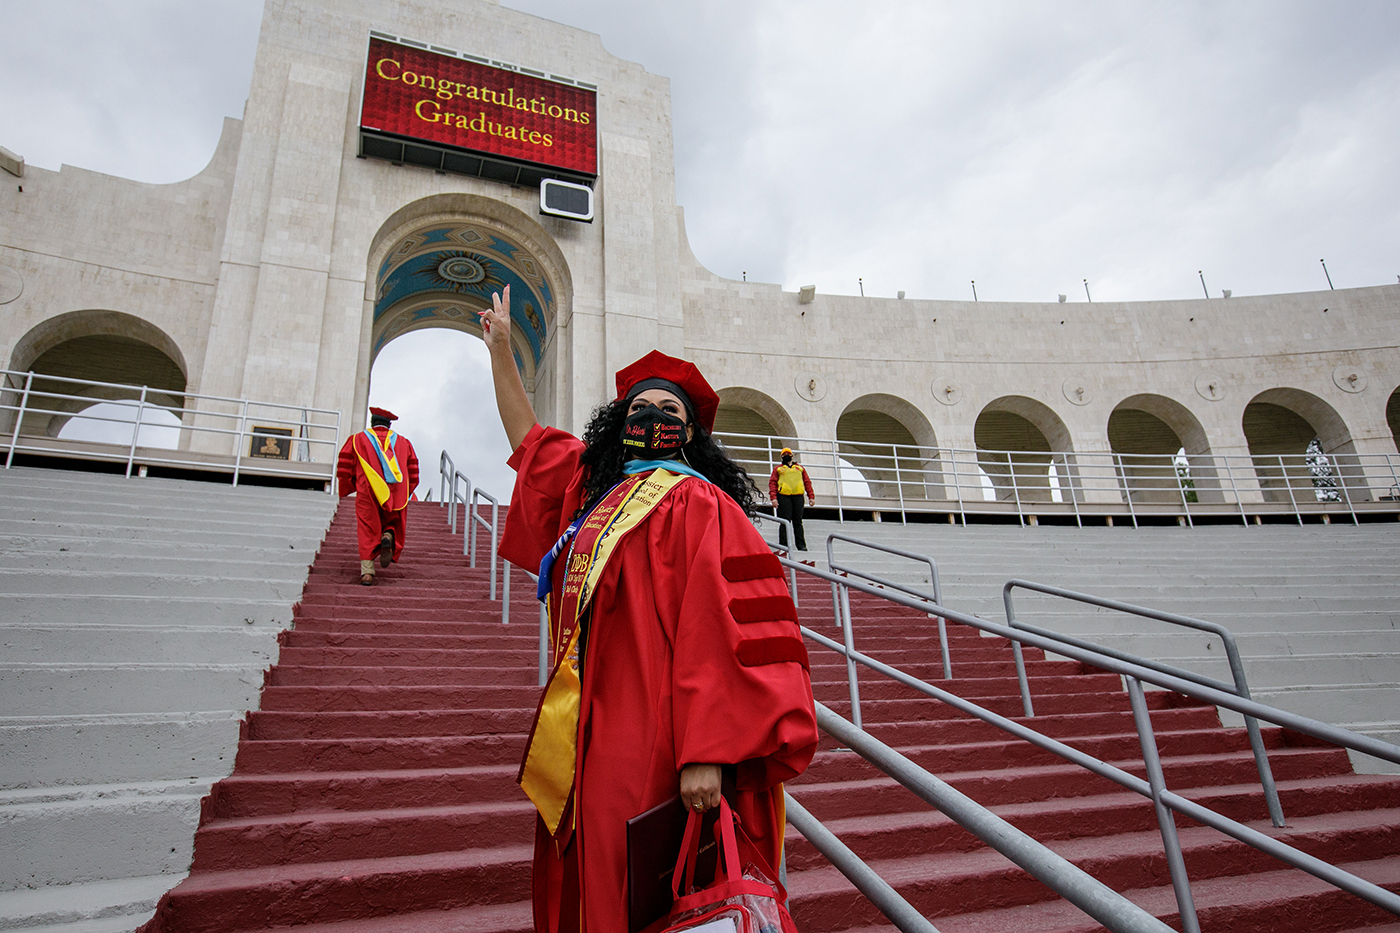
653, 844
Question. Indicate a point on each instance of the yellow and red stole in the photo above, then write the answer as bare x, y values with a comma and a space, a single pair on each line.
551, 752
384, 471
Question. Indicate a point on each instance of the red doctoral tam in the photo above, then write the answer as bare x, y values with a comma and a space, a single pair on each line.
383, 413
657, 365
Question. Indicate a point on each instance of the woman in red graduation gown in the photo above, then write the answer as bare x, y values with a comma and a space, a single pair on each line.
677, 655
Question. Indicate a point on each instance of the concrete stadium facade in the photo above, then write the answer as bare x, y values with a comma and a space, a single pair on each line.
271, 275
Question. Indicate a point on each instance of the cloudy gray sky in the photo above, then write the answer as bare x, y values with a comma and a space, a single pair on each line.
914, 145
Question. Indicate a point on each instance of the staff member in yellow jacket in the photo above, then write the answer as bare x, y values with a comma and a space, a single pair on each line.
381, 469
787, 484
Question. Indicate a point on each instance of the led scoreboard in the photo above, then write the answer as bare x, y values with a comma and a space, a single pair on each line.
460, 115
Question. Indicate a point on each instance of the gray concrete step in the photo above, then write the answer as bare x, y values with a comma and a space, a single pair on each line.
79, 833
99, 907
144, 610
138, 618
56, 750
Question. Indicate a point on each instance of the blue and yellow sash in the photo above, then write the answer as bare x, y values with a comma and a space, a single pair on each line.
547, 771
388, 471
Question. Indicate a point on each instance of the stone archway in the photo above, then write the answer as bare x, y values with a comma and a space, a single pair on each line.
1018, 439
892, 445
1279, 425
753, 426
1147, 432
436, 262
93, 356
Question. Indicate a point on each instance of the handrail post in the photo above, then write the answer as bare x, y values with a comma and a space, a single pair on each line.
1342, 481
1166, 821
469, 531
1073, 493
1234, 489
852, 676
495, 525
899, 485
1251, 725
1127, 490
136, 431
1288, 484
242, 434
1022, 681
942, 622
957, 485
1181, 488
836, 462
505, 591
443, 462
19, 417
1015, 486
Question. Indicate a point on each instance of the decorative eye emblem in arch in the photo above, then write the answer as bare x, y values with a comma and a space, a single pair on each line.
462, 269
459, 271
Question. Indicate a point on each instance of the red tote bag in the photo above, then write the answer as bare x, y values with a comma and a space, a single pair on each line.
744, 897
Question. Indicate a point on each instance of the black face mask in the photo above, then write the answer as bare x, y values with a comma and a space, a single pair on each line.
652, 434
787, 460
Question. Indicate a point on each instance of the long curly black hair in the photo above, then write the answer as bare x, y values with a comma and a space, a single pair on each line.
603, 456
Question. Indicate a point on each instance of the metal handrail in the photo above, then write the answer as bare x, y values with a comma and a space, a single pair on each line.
469, 497
1154, 788
1232, 652
446, 468
454, 497
544, 622
782, 549
890, 584
1075, 885
899, 911
950, 479
42, 401
474, 518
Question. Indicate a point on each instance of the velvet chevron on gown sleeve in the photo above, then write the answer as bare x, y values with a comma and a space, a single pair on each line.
741, 684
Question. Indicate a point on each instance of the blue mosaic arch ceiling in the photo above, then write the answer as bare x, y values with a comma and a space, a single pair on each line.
446, 273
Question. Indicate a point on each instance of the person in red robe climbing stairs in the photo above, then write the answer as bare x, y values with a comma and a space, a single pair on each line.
380, 468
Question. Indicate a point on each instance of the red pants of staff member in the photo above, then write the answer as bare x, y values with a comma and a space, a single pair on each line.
370, 524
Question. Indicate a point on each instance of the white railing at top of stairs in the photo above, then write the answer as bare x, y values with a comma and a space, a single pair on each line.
314, 433
907, 478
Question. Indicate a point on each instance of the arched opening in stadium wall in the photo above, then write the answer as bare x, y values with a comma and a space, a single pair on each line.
1162, 453
1023, 447
435, 265
87, 368
754, 429
886, 440
1302, 449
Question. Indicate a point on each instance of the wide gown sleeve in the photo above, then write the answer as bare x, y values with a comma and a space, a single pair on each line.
547, 489
345, 467
741, 684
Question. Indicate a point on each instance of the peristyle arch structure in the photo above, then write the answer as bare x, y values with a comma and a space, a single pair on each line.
96, 346
754, 427
436, 263
1146, 432
1279, 424
893, 446
1017, 440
